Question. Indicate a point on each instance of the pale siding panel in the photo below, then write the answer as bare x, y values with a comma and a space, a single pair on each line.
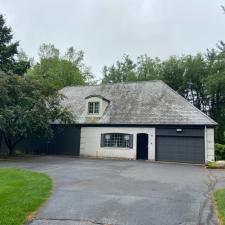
91, 137
209, 144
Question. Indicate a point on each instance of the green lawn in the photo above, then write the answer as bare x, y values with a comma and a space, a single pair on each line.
220, 204
21, 192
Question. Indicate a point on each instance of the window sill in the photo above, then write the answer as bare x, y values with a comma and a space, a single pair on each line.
94, 115
116, 148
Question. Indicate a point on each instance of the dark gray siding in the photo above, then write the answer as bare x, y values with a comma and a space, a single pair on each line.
186, 132
33, 145
187, 146
66, 140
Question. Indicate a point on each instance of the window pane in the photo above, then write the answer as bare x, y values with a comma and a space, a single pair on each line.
96, 107
90, 107
93, 107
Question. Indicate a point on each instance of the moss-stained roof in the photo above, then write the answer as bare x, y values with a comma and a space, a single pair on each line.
149, 102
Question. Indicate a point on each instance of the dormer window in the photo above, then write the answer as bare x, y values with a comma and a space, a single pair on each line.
93, 107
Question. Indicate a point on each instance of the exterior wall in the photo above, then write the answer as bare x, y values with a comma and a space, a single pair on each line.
65, 140
91, 140
186, 131
209, 145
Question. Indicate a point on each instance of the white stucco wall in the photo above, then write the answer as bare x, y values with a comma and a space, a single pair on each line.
90, 143
209, 145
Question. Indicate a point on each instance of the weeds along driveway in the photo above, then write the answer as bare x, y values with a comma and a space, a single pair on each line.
123, 192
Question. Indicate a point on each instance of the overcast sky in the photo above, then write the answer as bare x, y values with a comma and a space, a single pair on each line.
107, 29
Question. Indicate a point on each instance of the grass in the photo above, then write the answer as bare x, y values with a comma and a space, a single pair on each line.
215, 165
220, 205
21, 193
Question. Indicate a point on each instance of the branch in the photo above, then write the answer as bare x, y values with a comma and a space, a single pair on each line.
17, 141
223, 8
8, 141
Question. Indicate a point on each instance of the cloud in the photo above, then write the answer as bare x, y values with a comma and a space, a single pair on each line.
106, 30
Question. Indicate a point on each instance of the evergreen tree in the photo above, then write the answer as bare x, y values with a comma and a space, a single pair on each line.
8, 51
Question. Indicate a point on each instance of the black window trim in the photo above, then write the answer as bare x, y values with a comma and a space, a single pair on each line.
93, 109
114, 147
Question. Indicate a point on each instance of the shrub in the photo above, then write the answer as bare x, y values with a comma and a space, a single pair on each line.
220, 151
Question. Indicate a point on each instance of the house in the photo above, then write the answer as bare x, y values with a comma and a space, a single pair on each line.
140, 120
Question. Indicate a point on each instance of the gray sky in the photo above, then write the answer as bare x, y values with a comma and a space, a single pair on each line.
107, 29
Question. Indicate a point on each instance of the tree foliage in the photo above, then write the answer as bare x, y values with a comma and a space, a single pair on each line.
26, 111
148, 68
122, 71
199, 78
55, 71
9, 64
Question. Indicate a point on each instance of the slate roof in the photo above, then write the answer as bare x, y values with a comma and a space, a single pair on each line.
146, 102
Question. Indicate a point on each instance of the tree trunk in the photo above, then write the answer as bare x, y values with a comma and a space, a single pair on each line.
10, 150
10, 144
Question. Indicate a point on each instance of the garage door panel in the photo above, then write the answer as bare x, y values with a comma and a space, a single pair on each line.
180, 149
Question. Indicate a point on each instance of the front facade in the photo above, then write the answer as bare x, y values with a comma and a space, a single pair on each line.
116, 142
142, 120
159, 143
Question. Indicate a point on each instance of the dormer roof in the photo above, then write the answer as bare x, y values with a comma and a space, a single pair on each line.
97, 96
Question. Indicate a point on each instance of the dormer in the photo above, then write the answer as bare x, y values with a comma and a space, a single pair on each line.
95, 107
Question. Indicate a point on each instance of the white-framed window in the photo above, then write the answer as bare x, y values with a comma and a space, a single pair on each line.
93, 107
117, 140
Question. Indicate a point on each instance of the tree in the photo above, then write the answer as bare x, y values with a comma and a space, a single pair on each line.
215, 84
48, 51
173, 73
123, 71
77, 59
8, 51
26, 111
56, 72
195, 73
216, 91
148, 68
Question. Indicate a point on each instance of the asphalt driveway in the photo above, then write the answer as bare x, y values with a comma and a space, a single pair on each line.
124, 192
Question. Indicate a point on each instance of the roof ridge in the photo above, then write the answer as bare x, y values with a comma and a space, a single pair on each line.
180, 96
112, 84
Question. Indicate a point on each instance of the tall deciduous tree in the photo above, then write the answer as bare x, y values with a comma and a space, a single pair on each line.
55, 71
26, 111
172, 73
215, 87
8, 51
122, 71
148, 68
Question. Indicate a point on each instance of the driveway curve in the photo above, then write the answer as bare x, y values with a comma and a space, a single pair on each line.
116, 192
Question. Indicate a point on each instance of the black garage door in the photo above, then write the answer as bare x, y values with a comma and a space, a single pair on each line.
180, 149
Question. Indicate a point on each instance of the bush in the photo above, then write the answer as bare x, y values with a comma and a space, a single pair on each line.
220, 151
19, 152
